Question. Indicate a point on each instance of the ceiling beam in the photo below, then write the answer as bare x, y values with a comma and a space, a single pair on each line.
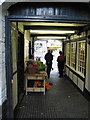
53, 27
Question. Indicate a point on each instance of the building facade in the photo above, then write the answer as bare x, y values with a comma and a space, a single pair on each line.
77, 45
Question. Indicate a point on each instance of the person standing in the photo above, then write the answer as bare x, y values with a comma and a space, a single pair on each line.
61, 60
49, 58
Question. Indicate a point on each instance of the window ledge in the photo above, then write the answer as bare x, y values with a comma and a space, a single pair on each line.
76, 72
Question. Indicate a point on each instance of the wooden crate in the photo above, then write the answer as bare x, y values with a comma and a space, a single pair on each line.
36, 77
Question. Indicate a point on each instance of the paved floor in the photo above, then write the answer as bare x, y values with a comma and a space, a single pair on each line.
63, 100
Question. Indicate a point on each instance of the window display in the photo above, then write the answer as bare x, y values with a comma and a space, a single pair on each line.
81, 56
72, 55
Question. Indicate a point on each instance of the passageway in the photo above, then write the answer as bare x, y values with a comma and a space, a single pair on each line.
63, 100
66, 23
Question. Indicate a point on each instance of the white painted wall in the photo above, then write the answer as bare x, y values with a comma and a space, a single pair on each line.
14, 36
20, 26
0, 55
3, 96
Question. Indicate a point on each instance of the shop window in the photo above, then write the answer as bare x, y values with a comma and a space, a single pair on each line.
72, 54
67, 55
81, 57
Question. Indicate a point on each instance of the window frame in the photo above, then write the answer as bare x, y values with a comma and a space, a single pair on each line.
68, 54
73, 55
81, 47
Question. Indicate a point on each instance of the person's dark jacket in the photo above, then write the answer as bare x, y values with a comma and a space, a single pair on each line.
48, 58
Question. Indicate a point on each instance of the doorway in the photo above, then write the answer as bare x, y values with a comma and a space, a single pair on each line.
71, 16
20, 62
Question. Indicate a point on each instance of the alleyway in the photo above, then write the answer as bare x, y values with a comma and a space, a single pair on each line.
63, 100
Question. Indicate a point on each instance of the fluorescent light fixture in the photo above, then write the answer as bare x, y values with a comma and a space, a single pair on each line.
48, 37
51, 31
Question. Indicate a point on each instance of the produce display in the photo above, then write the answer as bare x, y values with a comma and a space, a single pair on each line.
40, 84
40, 66
35, 65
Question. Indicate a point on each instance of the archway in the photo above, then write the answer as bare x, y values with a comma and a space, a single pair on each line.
54, 15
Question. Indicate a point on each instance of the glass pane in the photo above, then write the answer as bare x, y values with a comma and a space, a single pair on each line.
81, 56
72, 54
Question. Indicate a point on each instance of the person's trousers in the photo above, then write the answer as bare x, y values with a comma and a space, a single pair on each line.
49, 66
61, 72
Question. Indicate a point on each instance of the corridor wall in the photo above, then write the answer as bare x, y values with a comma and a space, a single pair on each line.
14, 36
77, 60
27, 38
87, 82
15, 29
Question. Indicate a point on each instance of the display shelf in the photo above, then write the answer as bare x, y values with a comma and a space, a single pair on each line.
35, 77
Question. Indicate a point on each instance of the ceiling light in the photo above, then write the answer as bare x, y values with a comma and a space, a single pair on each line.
51, 31
48, 37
